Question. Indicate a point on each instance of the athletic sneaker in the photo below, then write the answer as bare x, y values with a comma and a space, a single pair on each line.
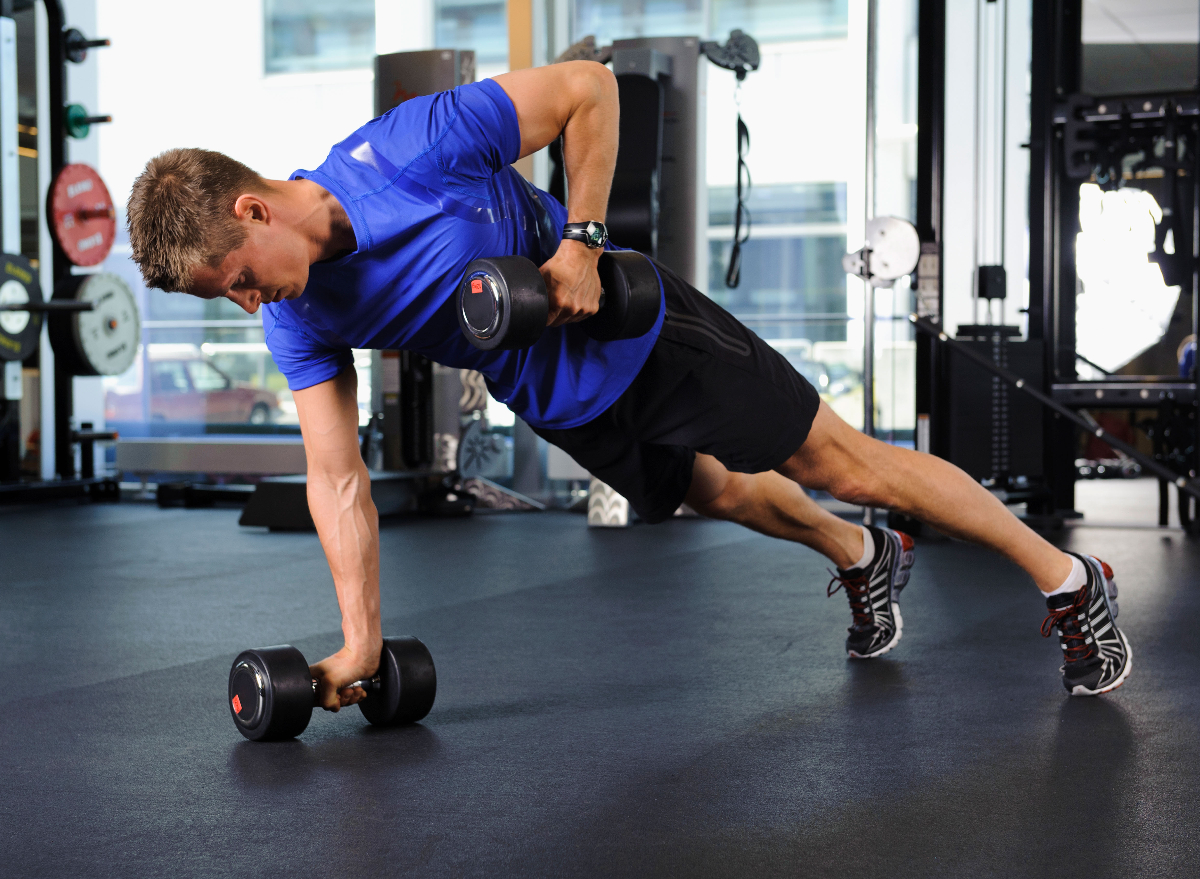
1098, 656
873, 592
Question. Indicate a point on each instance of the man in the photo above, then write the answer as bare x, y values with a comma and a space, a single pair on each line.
367, 251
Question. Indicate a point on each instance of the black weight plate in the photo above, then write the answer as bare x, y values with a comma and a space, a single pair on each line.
631, 297
270, 693
523, 304
408, 684
19, 330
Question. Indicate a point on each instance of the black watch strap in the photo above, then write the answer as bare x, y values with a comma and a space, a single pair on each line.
591, 233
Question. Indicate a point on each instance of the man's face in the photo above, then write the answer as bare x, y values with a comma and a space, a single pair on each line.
270, 266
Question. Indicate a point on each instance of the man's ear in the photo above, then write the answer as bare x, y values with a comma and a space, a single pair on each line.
251, 207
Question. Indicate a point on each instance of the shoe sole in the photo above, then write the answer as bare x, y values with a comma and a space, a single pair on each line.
1080, 690
898, 568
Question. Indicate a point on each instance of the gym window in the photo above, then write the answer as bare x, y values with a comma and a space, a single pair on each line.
481, 25
303, 35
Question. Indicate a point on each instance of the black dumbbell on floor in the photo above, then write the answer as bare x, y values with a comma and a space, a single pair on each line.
272, 694
502, 301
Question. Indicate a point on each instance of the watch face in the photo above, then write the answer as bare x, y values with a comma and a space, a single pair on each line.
597, 234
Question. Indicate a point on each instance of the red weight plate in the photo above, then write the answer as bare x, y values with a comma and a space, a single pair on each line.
82, 215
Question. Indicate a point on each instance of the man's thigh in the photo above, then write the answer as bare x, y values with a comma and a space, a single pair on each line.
710, 385
714, 386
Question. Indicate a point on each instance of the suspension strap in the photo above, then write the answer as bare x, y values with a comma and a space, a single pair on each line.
733, 275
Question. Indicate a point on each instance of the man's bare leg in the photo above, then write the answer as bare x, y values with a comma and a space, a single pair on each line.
857, 469
772, 504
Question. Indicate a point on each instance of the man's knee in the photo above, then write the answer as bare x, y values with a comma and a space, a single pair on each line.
848, 467
735, 489
709, 478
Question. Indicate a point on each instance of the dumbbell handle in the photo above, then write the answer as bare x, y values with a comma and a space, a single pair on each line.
366, 683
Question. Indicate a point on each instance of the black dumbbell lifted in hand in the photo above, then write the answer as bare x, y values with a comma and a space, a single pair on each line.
502, 301
272, 695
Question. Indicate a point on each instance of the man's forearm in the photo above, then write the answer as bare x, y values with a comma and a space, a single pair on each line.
348, 525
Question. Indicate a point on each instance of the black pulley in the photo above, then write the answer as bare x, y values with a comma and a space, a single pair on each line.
19, 330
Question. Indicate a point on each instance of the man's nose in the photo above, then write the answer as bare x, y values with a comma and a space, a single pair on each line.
249, 300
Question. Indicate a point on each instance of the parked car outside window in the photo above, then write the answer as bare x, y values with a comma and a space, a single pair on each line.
189, 388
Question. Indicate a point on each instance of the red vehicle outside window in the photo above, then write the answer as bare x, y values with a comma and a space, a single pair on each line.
192, 389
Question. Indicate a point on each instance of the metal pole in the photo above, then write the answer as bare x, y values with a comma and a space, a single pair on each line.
10, 181
869, 288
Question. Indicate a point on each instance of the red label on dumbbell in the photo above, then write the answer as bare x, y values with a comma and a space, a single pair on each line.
476, 285
237, 704
82, 215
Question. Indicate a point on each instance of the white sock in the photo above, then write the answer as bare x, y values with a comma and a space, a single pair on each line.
1075, 581
868, 549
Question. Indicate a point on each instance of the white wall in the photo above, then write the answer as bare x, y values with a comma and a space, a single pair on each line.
403, 25
187, 75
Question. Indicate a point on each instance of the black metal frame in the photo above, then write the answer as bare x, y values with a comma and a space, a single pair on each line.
931, 399
65, 436
1061, 117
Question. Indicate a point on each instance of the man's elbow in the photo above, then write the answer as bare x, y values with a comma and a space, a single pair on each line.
339, 477
593, 83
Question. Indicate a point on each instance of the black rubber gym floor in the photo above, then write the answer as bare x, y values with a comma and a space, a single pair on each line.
659, 701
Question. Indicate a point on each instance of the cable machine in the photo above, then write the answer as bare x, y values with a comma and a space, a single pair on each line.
1110, 140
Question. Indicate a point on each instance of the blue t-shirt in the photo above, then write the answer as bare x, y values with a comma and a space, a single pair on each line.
428, 187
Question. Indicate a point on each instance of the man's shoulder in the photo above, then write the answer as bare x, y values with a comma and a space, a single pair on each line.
412, 129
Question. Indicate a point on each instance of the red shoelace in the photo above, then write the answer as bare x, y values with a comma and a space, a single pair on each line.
1077, 647
858, 589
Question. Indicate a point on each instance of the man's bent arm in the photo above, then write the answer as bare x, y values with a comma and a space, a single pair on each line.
579, 100
339, 498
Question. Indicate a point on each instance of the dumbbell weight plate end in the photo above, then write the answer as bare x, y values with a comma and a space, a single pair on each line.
270, 693
407, 684
502, 303
631, 297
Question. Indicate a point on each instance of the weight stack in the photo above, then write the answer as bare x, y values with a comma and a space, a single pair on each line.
995, 432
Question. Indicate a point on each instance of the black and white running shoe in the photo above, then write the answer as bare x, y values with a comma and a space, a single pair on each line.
874, 591
1098, 656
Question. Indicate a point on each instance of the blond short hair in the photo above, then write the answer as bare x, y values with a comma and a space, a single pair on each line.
181, 214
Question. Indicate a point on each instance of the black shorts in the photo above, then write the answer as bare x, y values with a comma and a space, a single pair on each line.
709, 385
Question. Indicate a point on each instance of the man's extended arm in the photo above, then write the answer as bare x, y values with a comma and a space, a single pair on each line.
577, 99
339, 498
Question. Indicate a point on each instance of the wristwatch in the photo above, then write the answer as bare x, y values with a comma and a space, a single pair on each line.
591, 233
